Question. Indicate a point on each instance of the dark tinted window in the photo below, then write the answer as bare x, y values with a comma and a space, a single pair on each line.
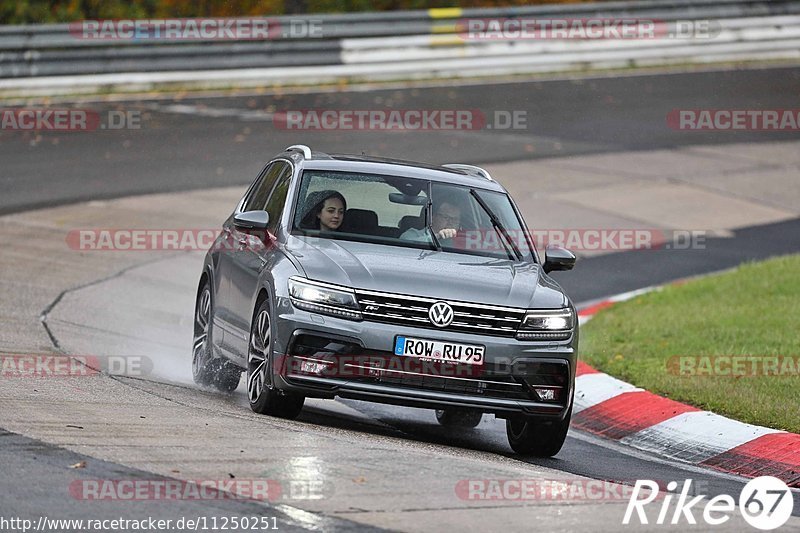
258, 196
278, 198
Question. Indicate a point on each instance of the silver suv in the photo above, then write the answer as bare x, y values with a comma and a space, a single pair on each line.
393, 282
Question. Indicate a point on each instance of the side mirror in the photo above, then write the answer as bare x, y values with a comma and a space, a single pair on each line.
251, 220
254, 223
557, 258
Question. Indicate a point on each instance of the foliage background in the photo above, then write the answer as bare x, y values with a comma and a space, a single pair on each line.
41, 11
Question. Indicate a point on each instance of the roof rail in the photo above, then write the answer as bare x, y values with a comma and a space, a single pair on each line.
302, 148
471, 170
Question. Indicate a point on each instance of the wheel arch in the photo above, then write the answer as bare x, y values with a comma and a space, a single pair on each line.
263, 294
205, 277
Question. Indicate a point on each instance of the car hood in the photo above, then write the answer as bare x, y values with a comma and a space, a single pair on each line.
411, 271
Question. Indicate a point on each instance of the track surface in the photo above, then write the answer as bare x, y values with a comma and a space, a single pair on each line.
191, 144
185, 148
45, 477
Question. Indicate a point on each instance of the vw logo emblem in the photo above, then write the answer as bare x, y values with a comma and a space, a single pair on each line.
440, 314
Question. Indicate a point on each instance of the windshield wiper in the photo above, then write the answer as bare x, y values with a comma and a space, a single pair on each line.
499, 228
429, 220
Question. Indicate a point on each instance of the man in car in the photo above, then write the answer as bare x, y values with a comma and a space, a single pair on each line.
445, 224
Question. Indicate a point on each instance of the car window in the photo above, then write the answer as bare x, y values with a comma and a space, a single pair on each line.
258, 196
366, 193
394, 210
277, 199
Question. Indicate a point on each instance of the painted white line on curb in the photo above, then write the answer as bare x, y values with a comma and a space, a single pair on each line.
696, 436
592, 389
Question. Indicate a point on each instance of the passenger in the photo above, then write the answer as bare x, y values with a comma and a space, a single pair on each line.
445, 224
326, 211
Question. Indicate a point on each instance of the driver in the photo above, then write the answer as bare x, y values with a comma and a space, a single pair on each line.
445, 224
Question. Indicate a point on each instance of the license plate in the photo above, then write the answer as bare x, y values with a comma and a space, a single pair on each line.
470, 354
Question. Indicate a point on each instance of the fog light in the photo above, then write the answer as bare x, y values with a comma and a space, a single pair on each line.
546, 395
312, 368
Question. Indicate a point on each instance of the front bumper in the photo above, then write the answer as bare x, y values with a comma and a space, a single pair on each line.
323, 356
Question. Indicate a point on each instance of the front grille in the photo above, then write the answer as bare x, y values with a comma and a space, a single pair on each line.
413, 311
500, 387
409, 373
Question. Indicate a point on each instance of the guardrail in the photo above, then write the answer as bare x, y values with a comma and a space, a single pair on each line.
398, 44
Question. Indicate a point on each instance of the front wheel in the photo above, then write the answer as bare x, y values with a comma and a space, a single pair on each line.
264, 398
528, 436
208, 370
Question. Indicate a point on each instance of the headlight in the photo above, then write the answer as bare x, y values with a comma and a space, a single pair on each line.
545, 325
323, 298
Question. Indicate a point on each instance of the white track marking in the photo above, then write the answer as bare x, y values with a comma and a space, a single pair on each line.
695, 436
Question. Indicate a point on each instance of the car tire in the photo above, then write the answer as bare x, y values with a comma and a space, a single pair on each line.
459, 418
264, 398
528, 436
208, 370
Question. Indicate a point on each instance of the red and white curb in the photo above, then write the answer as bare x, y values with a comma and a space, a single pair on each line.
613, 409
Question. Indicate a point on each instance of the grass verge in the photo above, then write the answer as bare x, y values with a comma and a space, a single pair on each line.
728, 343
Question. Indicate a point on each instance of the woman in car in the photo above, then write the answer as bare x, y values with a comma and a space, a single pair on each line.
325, 211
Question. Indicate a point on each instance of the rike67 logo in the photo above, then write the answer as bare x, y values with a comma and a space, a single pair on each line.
766, 503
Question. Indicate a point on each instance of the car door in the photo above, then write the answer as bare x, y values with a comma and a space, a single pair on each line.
254, 252
225, 314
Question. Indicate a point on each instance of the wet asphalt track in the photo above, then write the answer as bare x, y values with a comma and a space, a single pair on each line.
184, 147
189, 143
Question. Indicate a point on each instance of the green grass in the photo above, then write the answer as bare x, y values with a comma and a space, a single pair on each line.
753, 310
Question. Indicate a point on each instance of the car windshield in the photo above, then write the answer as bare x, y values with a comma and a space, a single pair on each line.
408, 212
